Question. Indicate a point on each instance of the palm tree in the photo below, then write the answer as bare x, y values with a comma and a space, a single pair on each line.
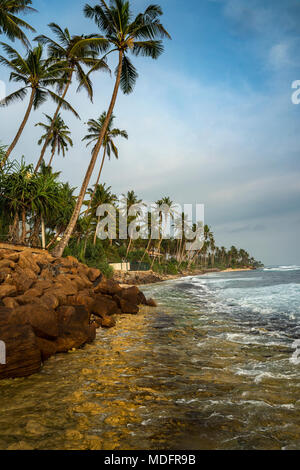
95, 128
124, 35
101, 195
130, 200
37, 75
59, 136
10, 24
74, 52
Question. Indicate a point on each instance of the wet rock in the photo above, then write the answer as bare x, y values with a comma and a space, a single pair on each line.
103, 307
151, 303
128, 307
44, 321
23, 356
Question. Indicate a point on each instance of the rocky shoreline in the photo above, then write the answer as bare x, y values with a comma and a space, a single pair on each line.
139, 278
53, 305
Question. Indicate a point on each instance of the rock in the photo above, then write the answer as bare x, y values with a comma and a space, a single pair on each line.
108, 287
128, 307
29, 296
23, 356
75, 329
7, 290
151, 303
103, 306
22, 282
44, 321
10, 302
47, 348
94, 274
107, 322
6, 263
50, 301
134, 296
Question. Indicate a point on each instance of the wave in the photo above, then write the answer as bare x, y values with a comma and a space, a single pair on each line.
283, 268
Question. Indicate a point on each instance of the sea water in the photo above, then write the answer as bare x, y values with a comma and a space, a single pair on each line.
213, 367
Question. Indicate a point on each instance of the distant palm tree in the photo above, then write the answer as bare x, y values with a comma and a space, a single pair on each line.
58, 138
124, 34
37, 75
95, 128
130, 200
74, 52
10, 24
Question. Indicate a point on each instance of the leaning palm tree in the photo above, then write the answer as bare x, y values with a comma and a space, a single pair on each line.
124, 34
109, 148
58, 138
37, 75
10, 24
75, 52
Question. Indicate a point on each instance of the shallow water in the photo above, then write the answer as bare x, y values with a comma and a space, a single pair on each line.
209, 369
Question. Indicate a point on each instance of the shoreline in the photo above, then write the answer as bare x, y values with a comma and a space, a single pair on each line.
139, 278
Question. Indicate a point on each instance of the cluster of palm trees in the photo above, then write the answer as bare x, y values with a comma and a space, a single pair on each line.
47, 71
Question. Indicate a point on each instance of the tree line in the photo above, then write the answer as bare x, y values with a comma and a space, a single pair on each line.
38, 209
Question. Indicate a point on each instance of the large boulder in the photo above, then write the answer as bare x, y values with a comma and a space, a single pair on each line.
104, 306
108, 287
23, 356
134, 296
43, 320
74, 328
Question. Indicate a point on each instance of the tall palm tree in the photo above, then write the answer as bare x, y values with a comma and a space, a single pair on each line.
10, 24
123, 35
109, 148
75, 52
37, 75
59, 136
130, 200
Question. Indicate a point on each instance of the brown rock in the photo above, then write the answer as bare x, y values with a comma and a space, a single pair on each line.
10, 302
6, 263
107, 322
29, 296
133, 295
7, 290
151, 303
75, 329
108, 287
50, 301
128, 307
103, 306
94, 274
23, 356
44, 321
47, 348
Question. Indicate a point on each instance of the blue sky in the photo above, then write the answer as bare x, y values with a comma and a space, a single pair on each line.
210, 122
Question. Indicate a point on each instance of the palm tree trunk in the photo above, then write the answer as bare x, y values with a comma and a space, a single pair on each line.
59, 249
147, 249
23, 236
43, 234
98, 179
23, 124
54, 117
95, 235
52, 155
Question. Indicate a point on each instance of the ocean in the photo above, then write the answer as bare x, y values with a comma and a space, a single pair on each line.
215, 366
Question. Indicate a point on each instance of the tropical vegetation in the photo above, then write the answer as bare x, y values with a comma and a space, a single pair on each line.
36, 207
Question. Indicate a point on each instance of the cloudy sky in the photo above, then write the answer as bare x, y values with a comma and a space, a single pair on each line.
212, 121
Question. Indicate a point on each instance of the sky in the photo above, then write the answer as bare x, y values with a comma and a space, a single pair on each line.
210, 122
